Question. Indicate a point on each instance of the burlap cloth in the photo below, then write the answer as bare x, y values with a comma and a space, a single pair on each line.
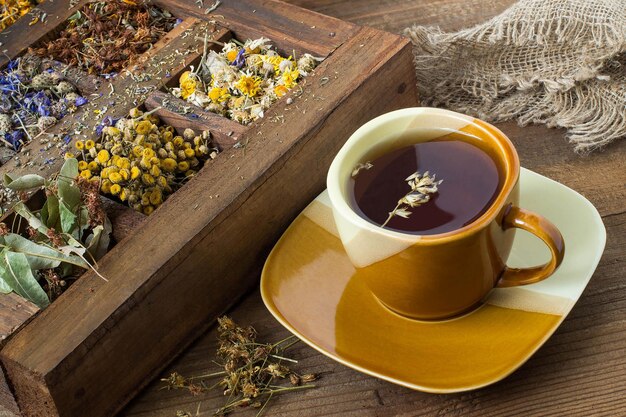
558, 62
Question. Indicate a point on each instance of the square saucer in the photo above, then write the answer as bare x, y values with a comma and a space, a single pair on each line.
307, 284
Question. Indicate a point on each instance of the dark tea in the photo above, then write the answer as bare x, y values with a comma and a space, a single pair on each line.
470, 183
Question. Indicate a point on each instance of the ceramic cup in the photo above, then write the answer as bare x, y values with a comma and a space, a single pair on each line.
439, 276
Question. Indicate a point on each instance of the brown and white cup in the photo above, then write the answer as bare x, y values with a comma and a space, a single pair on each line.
437, 276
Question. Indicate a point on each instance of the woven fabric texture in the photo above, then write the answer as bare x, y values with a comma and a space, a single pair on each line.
557, 62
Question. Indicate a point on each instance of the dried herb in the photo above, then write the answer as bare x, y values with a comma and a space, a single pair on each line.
251, 370
141, 161
11, 10
242, 80
421, 187
33, 98
65, 237
102, 37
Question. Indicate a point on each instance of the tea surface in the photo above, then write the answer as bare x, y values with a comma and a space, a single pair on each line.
470, 184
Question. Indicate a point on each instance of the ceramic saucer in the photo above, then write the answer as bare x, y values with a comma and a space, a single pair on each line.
307, 285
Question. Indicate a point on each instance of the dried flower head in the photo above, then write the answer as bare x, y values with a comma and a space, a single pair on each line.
422, 186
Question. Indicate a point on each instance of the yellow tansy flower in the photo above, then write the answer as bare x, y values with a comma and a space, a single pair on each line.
85, 174
183, 166
147, 179
124, 194
155, 171
115, 189
103, 156
93, 166
144, 127
168, 164
123, 163
115, 177
80, 145
125, 174
135, 172
156, 197
82, 165
69, 155
280, 90
106, 186
137, 151
189, 153
148, 210
89, 144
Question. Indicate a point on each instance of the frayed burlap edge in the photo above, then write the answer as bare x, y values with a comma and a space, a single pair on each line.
562, 72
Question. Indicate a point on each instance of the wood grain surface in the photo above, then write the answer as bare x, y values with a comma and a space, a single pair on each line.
580, 371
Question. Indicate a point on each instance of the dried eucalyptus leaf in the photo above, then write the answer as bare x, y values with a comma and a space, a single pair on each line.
54, 217
27, 182
31, 218
4, 287
18, 275
68, 190
40, 256
98, 242
68, 219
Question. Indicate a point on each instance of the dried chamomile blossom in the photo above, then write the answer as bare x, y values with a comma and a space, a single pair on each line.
141, 161
242, 80
32, 99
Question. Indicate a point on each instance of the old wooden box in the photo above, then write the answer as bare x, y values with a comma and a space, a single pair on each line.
172, 273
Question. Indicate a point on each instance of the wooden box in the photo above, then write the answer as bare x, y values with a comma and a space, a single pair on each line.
172, 273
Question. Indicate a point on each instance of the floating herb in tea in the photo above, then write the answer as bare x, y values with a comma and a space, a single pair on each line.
251, 370
383, 194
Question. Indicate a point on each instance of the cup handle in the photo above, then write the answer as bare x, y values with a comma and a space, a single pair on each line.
544, 230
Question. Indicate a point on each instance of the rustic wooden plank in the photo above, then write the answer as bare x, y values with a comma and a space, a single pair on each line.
290, 28
19, 36
395, 15
14, 313
217, 228
180, 114
8, 407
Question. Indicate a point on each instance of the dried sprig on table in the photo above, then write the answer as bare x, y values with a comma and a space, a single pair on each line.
140, 160
251, 369
421, 187
102, 37
32, 99
11, 10
66, 236
242, 80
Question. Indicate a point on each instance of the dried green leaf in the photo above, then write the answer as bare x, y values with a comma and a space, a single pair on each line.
40, 256
27, 182
16, 271
98, 242
68, 219
4, 287
69, 193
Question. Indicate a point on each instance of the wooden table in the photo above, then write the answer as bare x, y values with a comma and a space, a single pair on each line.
581, 370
